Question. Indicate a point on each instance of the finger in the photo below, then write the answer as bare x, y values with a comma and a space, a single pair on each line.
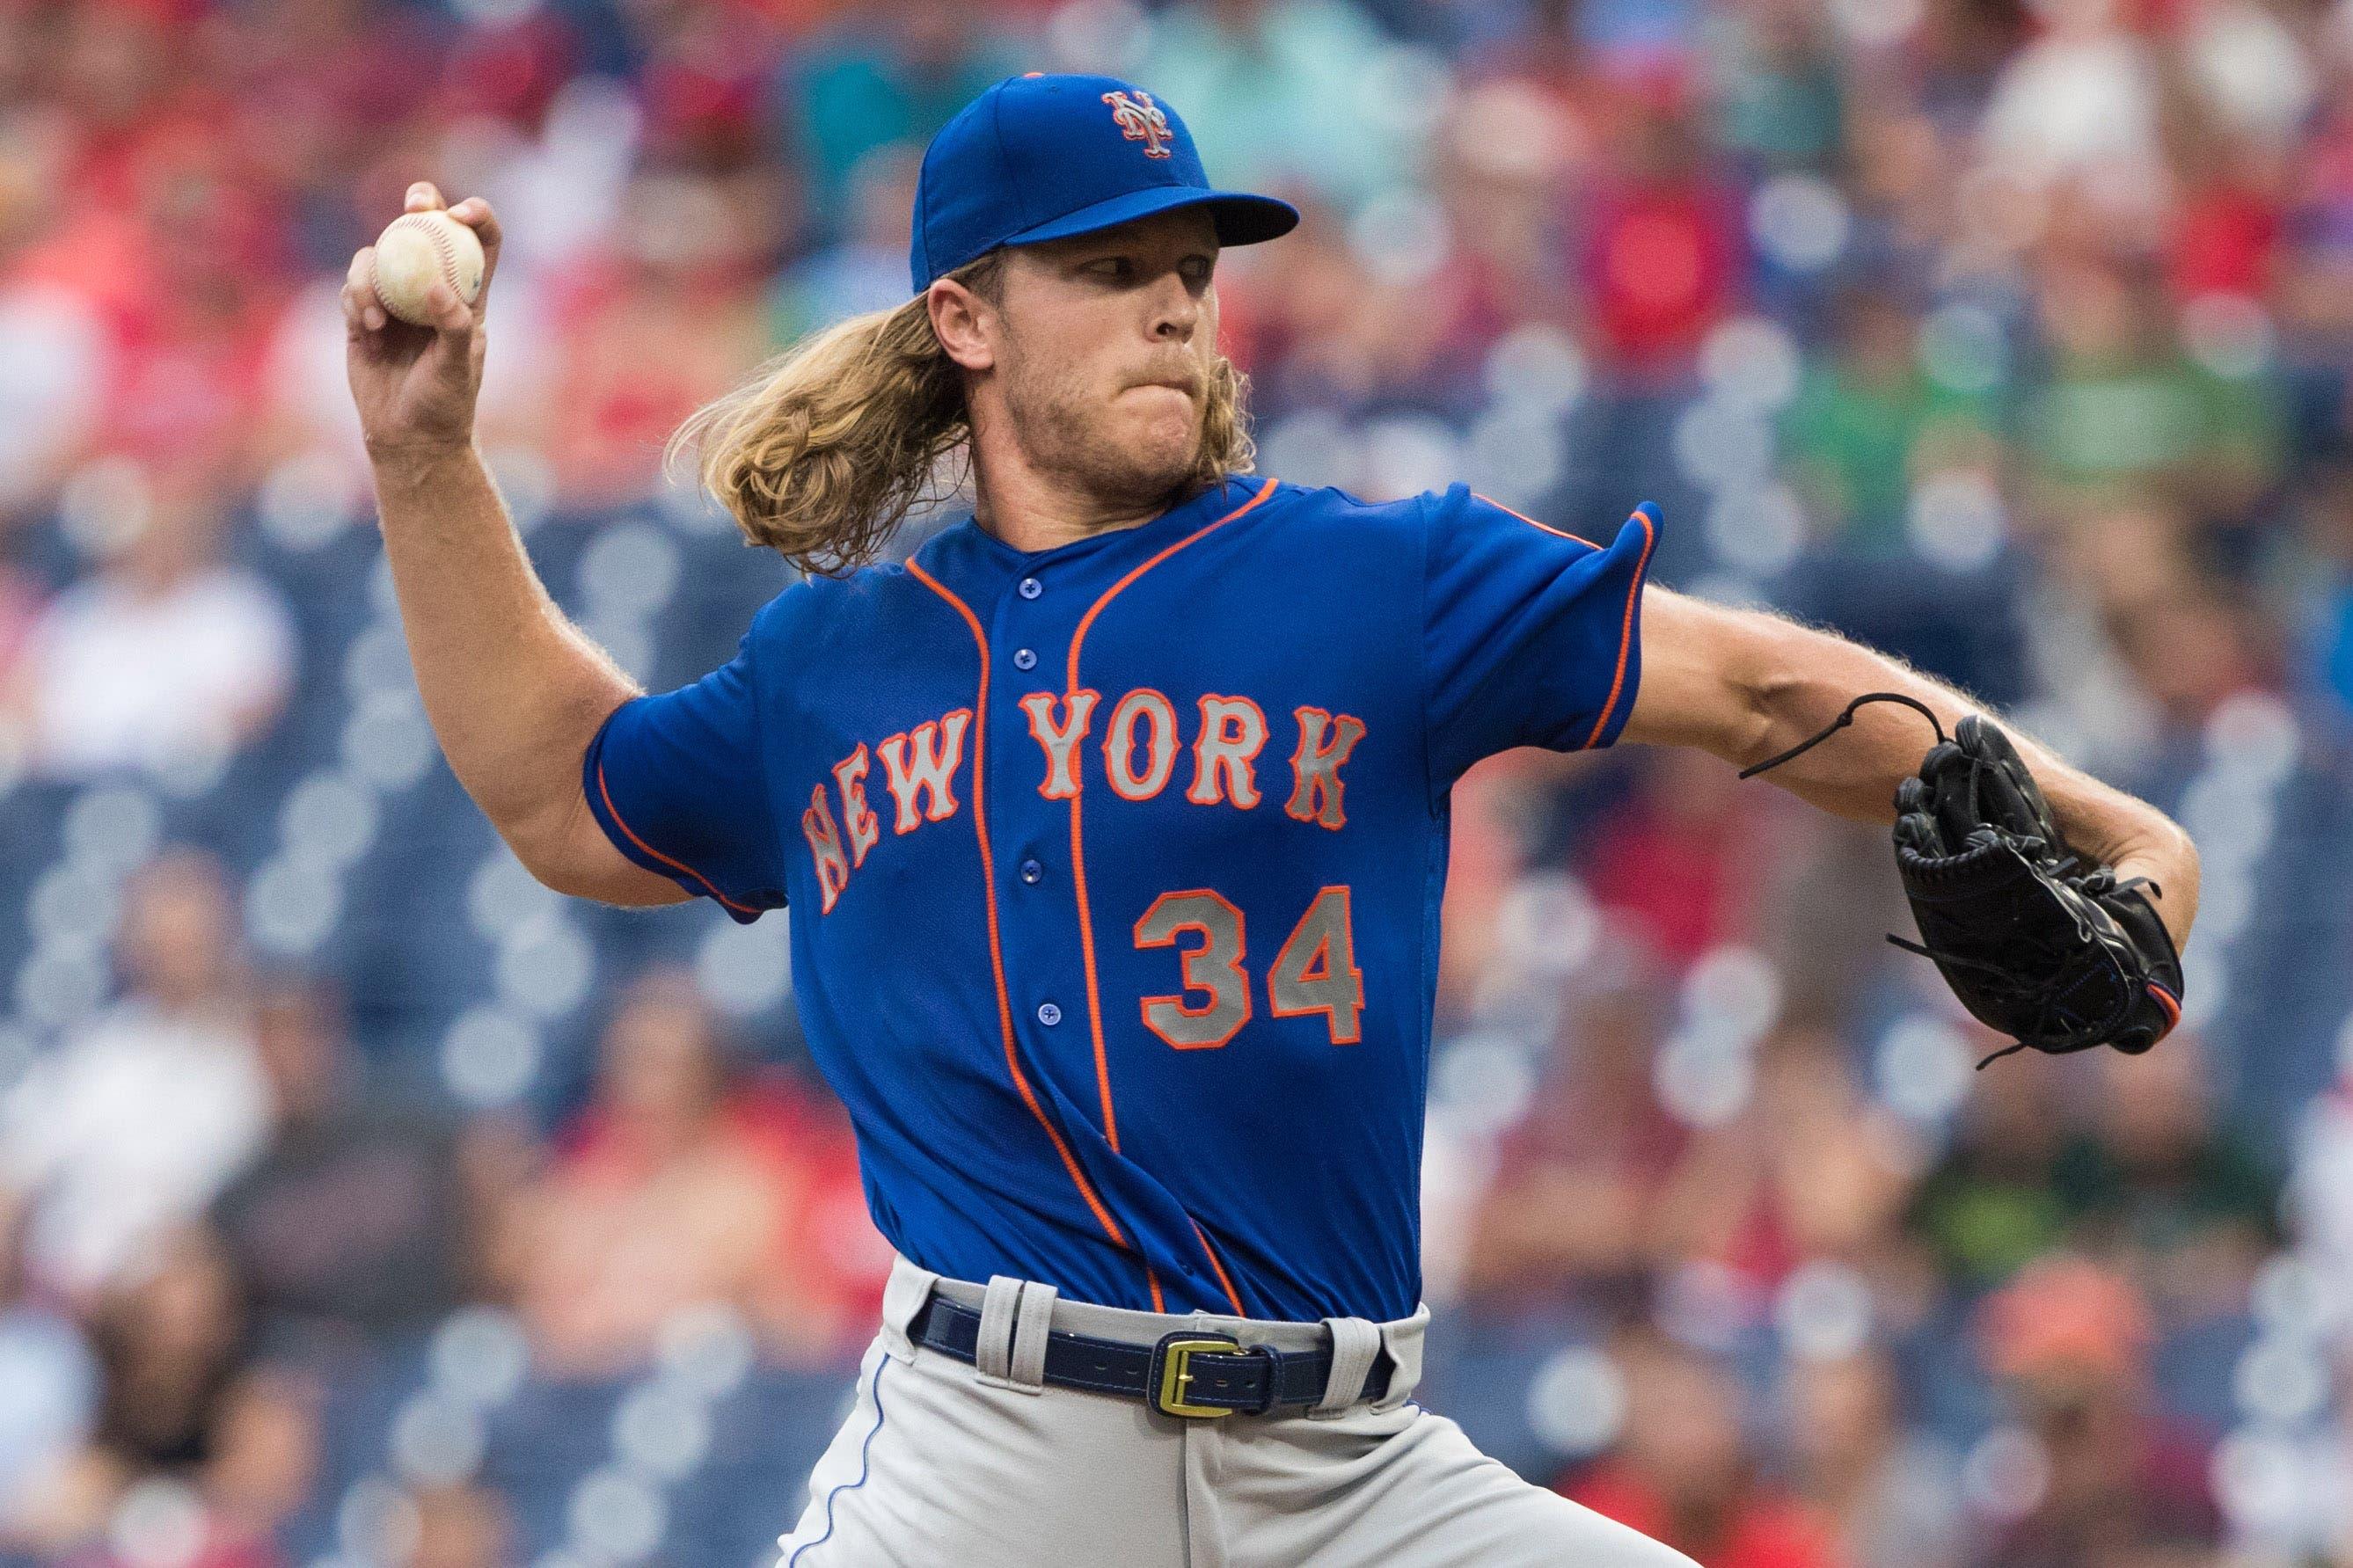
1915, 821
360, 283
1918, 833
423, 196
355, 312
452, 317
476, 214
2007, 803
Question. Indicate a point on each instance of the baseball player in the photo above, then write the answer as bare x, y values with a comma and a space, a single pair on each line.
1114, 824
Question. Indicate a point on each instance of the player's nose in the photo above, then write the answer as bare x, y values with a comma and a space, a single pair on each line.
1176, 310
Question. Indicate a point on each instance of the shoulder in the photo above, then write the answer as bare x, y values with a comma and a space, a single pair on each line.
1406, 518
1416, 515
1432, 533
819, 606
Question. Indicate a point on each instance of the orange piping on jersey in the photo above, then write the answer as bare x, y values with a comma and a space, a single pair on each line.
677, 865
1531, 522
1078, 844
1211, 1253
1626, 632
989, 881
1152, 1278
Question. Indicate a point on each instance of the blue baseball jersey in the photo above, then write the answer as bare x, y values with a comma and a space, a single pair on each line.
1115, 868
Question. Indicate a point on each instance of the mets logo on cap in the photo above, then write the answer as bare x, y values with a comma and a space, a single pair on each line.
1036, 158
1140, 120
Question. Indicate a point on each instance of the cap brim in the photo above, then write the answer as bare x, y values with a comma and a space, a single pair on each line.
1241, 219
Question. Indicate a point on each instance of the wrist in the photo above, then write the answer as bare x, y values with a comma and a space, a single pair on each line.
408, 464
2173, 867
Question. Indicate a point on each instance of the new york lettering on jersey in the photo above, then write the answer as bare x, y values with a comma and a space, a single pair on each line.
1115, 868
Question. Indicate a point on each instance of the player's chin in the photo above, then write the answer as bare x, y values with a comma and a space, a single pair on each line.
1163, 442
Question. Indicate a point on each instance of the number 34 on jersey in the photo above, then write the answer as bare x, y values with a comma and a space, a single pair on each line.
1314, 972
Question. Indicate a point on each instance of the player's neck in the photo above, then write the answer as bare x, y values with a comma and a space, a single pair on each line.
1033, 511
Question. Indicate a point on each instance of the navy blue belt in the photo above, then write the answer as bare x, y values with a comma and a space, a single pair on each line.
1189, 1373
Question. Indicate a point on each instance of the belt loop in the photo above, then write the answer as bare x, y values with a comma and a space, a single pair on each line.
993, 1357
1354, 1344
1402, 1339
1031, 1322
909, 1288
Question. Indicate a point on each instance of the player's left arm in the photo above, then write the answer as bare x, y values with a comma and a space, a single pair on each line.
1746, 685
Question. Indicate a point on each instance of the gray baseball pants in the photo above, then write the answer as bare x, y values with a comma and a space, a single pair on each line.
984, 1467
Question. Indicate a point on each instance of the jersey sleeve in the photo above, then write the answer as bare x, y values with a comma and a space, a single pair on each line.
676, 782
1532, 634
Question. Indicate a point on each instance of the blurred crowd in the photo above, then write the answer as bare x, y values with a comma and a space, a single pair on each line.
361, 1203
217, 1215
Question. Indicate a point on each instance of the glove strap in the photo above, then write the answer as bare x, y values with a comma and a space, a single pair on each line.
1845, 718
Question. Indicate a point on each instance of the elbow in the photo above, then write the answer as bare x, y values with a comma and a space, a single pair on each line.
556, 874
1715, 677
1760, 715
546, 839
565, 849
1767, 688
544, 859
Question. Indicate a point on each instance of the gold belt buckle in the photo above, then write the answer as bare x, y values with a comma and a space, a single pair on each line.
1176, 1372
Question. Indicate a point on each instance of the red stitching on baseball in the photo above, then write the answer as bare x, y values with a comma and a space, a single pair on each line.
441, 247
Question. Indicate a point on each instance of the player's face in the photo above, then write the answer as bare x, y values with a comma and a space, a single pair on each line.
1107, 343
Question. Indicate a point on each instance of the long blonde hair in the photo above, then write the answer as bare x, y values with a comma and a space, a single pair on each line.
823, 451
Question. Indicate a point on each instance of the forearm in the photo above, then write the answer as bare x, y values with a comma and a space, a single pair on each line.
1855, 776
514, 690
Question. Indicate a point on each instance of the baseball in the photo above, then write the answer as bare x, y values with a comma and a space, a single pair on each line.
415, 250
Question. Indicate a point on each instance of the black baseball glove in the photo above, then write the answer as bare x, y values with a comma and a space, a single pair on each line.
2050, 949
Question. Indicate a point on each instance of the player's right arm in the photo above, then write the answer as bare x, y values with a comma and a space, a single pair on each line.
514, 690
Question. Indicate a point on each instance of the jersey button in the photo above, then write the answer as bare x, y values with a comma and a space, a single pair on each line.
1049, 1014
1031, 588
1032, 872
1024, 658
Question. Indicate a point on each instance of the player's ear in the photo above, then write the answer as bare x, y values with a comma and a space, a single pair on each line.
965, 323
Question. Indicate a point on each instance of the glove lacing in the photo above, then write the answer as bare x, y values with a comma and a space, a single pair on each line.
2099, 883
1846, 717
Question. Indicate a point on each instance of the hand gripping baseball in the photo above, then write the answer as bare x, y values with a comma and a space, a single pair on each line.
416, 385
2055, 955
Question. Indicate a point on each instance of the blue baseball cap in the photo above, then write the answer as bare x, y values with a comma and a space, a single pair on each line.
1041, 157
